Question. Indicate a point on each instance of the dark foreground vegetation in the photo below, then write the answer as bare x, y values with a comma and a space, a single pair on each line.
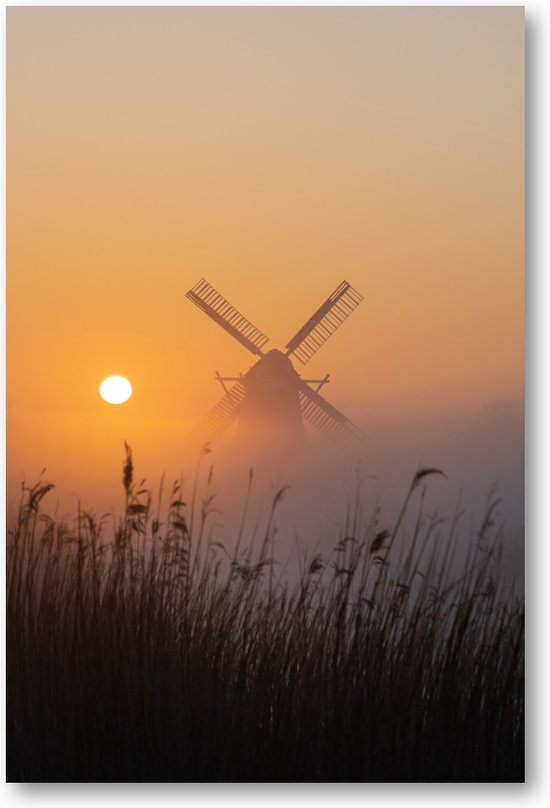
144, 651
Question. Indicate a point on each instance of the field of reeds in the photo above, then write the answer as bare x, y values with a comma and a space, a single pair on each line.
142, 650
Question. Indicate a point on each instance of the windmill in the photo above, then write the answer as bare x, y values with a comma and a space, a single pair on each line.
271, 400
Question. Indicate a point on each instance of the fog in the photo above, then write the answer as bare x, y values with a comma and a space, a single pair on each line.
328, 482
482, 460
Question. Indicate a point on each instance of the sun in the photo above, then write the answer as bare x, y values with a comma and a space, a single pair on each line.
115, 389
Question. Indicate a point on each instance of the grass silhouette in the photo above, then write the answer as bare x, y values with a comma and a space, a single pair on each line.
141, 650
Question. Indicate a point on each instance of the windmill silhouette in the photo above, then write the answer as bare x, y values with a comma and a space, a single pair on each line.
271, 400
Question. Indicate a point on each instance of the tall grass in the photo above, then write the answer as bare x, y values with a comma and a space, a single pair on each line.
143, 650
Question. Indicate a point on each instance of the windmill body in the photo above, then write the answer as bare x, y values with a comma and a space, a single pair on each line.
270, 415
271, 400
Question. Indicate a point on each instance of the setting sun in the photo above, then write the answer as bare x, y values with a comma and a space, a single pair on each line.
115, 389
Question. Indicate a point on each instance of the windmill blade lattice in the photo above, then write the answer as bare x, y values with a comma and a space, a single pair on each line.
222, 414
323, 323
317, 411
222, 312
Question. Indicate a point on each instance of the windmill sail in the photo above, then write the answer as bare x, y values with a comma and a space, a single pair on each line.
317, 411
324, 322
219, 309
222, 415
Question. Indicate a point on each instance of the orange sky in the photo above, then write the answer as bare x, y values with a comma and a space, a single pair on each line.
274, 151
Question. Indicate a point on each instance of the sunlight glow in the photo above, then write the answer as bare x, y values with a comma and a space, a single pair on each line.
115, 389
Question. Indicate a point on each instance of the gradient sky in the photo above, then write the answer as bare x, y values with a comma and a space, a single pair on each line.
274, 151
